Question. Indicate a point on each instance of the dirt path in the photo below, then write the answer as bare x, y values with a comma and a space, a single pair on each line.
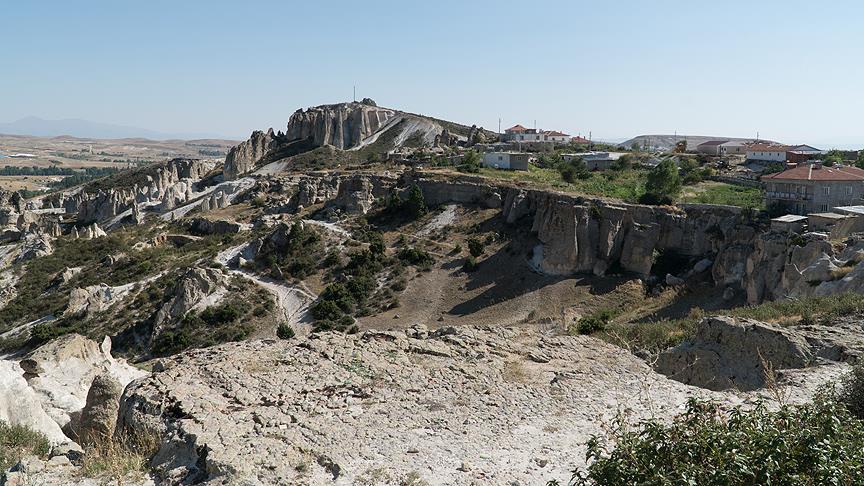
292, 301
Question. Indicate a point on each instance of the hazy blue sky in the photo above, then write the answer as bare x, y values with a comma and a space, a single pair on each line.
790, 69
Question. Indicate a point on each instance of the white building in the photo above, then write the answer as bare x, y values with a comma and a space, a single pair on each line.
767, 153
518, 133
506, 160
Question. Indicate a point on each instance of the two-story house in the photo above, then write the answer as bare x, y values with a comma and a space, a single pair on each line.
813, 188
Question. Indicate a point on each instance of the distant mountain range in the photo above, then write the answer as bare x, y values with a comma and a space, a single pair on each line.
39, 127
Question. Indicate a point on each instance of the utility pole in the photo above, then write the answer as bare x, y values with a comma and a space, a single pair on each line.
355, 93
499, 124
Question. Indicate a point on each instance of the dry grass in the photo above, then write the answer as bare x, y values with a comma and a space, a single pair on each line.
841, 272
514, 372
119, 458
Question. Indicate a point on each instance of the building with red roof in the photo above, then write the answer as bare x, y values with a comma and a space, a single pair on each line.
810, 188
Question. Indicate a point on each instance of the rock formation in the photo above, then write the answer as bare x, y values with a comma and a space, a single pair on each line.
343, 125
99, 415
242, 158
61, 372
729, 353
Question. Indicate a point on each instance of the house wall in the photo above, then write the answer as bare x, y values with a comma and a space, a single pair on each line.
767, 156
497, 160
733, 149
709, 149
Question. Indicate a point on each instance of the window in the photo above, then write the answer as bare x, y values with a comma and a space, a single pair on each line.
824, 208
848, 190
826, 191
500, 157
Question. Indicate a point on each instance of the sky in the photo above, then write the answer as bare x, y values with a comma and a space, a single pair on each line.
790, 70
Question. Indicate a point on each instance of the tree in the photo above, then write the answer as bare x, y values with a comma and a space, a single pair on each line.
663, 184
860, 161
476, 247
833, 157
470, 162
415, 205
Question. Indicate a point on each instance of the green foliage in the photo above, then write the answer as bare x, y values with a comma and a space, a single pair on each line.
859, 162
415, 205
833, 157
294, 251
411, 208
476, 247
819, 443
594, 322
470, 264
728, 194
413, 256
284, 331
17, 441
663, 183
691, 172
470, 162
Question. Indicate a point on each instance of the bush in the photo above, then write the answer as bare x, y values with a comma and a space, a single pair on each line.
413, 256
17, 441
470, 162
594, 322
851, 392
470, 264
284, 331
476, 247
663, 183
819, 443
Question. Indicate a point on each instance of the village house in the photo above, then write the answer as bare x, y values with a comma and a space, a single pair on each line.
767, 152
812, 188
518, 133
594, 160
711, 147
734, 148
506, 160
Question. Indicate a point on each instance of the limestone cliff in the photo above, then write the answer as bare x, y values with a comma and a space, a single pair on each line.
343, 125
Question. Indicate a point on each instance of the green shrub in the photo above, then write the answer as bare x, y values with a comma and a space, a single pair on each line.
851, 391
476, 247
814, 444
594, 322
470, 264
413, 256
284, 331
17, 441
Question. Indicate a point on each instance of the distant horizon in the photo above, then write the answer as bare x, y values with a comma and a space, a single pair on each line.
148, 133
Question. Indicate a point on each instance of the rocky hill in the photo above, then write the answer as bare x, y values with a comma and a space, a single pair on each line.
667, 142
259, 321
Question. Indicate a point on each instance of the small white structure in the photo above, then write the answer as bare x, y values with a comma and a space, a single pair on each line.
789, 223
506, 160
595, 160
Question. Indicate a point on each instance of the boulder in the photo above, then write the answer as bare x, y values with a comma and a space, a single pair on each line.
99, 415
729, 353
61, 372
21, 405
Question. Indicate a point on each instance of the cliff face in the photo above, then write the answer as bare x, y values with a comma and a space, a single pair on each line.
242, 158
343, 125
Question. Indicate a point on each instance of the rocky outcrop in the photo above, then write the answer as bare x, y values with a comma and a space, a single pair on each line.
343, 125
242, 158
99, 415
729, 353
502, 400
195, 287
35, 245
205, 226
61, 372
462, 406
93, 299
21, 405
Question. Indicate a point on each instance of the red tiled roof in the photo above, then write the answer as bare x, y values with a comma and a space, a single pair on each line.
580, 140
516, 128
553, 133
811, 173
